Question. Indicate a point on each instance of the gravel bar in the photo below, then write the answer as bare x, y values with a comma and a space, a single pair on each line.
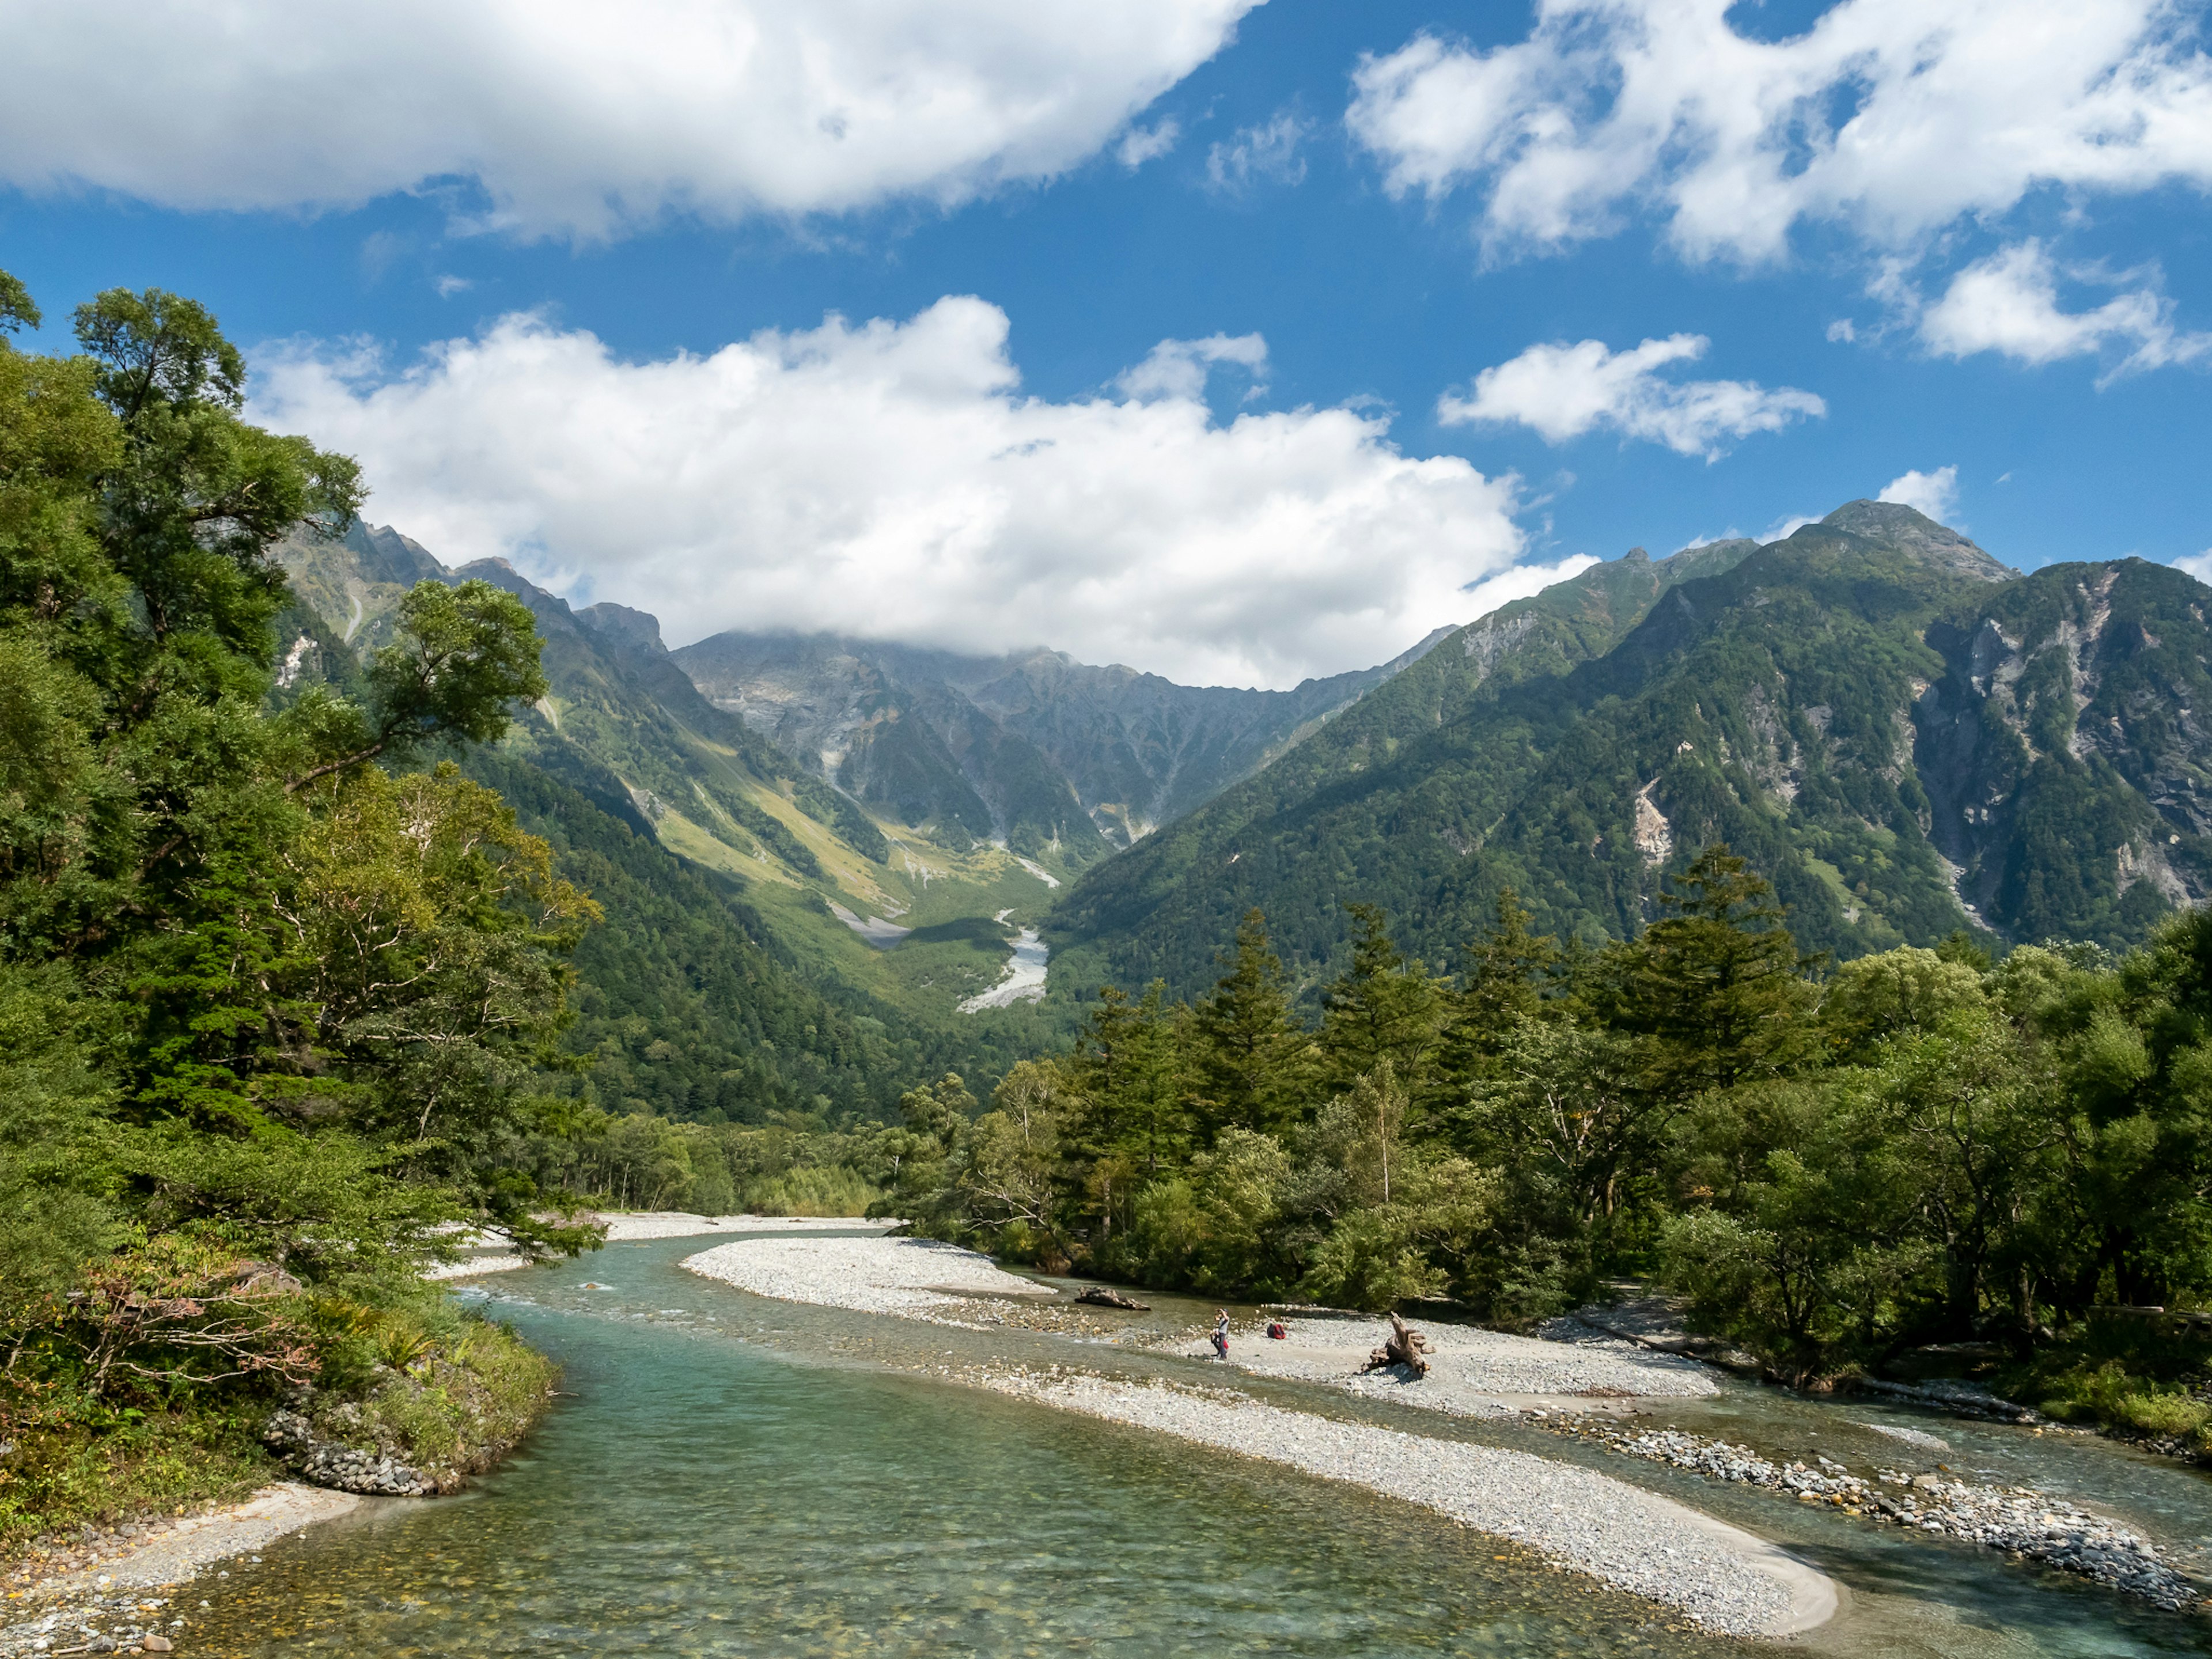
1723, 1578
1472, 1372
911, 1277
2016, 1519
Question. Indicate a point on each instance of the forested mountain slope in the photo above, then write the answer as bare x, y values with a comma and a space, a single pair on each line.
1891, 725
1034, 749
722, 983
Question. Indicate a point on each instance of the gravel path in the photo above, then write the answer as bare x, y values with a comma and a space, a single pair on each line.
106, 1600
1472, 1372
905, 1276
1721, 1576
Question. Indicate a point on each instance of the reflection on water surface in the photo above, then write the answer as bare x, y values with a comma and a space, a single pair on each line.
701, 1495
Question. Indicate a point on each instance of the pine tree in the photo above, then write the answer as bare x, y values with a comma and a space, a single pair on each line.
1718, 982
1384, 1007
1252, 1065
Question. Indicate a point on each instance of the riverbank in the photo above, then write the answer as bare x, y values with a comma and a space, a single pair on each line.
106, 1585
1722, 1578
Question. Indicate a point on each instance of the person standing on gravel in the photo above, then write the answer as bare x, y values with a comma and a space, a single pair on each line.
1221, 1332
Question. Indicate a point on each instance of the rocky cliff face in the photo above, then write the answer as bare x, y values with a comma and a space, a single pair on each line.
1031, 748
2064, 750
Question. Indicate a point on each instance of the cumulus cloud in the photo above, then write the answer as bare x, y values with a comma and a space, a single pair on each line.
1894, 117
2198, 565
1263, 155
2008, 303
1178, 368
891, 479
578, 119
1566, 390
1935, 494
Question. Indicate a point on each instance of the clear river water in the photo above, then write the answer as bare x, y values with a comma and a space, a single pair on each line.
728, 1475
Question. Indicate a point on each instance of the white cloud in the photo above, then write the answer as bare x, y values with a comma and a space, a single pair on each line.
1142, 144
2008, 303
1894, 117
1178, 368
1518, 583
1564, 391
1264, 154
1843, 331
1935, 494
449, 286
1788, 526
2198, 565
891, 479
582, 119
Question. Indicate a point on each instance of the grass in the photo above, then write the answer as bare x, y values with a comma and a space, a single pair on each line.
451, 1393
815, 1192
2132, 1375
447, 1391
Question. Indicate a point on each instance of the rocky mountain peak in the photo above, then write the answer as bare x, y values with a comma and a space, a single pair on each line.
1907, 527
637, 630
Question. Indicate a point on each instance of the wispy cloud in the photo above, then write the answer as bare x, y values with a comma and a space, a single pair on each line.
1895, 117
1263, 155
2008, 303
1141, 144
1563, 391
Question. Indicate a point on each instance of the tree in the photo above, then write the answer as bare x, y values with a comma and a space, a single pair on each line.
1718, 980
1251, 1061
1383, 1009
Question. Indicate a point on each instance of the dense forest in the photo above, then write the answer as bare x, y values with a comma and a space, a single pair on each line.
1834, 1165
278, 982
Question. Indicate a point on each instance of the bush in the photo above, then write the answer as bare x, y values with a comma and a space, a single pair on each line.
815, 1192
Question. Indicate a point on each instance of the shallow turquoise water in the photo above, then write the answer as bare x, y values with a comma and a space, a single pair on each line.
730, 1476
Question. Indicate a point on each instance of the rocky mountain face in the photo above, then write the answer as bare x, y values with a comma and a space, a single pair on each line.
1035, 750
1905, 736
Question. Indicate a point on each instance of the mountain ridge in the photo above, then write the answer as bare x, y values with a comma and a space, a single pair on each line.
1773, 697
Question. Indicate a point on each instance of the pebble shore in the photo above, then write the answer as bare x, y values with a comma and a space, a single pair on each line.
908, 1276
2016, 1519
99, 1591
1724, 1579
1472, 1372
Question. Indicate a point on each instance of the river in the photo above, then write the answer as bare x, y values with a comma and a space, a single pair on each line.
728, 1475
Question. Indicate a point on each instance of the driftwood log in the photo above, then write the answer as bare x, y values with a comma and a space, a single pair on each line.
1099, 1297
1407, 1347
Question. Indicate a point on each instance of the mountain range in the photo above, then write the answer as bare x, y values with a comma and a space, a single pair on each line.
1907, 737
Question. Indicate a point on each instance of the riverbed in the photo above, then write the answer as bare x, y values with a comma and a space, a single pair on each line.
731, 1474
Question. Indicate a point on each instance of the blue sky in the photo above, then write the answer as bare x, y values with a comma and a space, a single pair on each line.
525, 273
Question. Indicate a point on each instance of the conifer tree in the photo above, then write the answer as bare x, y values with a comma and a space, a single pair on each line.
1253, 1064
1500, 986
1718, 982
1384, 1008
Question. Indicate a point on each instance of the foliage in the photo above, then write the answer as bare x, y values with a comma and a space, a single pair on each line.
270, 1015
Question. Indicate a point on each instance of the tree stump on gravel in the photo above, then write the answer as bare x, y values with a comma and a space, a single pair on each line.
1407, 1347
